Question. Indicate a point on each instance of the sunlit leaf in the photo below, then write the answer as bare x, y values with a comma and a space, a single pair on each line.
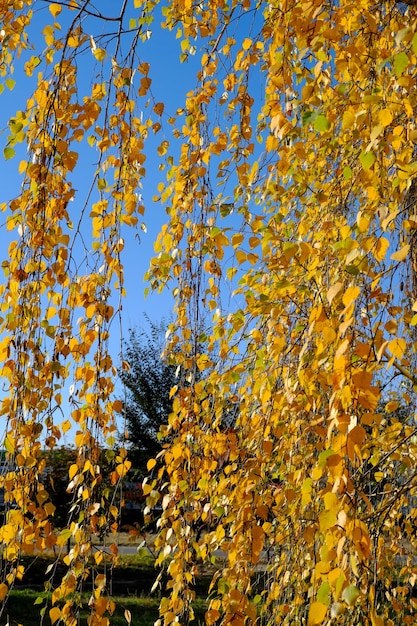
316, 613
321, 123
9, 153
54, 614
402, 254
55, 9
367, 159
400, 63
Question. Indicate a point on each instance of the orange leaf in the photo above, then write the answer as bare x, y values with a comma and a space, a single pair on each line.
54, 614
4, 589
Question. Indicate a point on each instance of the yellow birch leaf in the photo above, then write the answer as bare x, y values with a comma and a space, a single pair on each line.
357, 434
150, 464
397, 347
123, 468
380, 249
99, 54
378, 476
327, 519
401, 254
333, 291
73, 41
237, 239
72, 471
350, 295
176, 451
385, 117
348, 119
316, 613
99, 91
54, 614
330, 501
55, 9
203, 362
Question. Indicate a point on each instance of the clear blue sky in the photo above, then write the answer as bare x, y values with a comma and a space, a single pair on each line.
171, 80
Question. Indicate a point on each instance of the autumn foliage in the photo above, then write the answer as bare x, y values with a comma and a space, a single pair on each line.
290, 249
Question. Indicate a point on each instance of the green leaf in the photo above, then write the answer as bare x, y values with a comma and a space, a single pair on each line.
323, 456
352, 269
307, 117
226, 209
400, 63
323, 594
9, 445
15, 127
367, 159
321, 123
8, 153
350, 594
101, 184
347, 173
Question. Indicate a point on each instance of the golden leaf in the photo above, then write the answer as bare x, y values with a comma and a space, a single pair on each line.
402, 254
99, 54
316, 613
54, 614
350, 295
397, 347
55, 9
385, 117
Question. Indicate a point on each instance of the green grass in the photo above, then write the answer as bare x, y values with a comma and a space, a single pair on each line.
129, 584
21, 609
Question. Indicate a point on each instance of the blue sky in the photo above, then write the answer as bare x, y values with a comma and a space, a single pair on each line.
171, 80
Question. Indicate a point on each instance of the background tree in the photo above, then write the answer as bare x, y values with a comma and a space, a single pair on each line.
148, 379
